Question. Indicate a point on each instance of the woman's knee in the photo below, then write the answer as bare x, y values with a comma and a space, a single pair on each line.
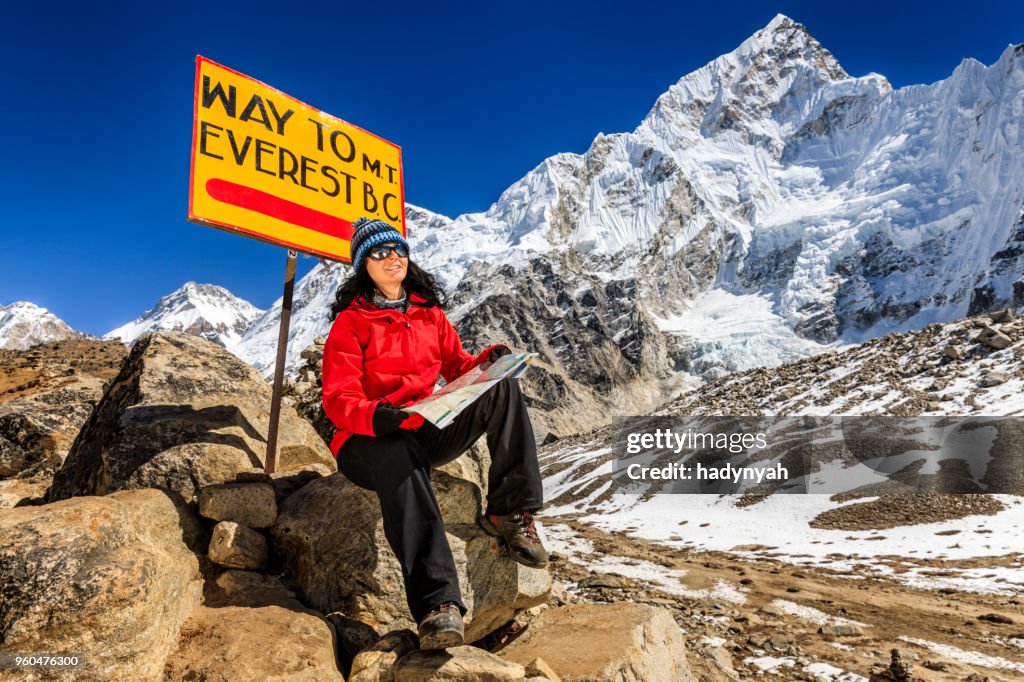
395, 455
508, 386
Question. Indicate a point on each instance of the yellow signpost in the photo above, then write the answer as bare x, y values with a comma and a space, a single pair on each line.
269, 167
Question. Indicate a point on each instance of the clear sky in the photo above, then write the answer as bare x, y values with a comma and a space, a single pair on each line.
97, 110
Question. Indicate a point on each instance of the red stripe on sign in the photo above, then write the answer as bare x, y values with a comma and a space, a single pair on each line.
276, 207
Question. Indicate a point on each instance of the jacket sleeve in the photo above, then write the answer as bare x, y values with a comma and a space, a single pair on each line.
455, 361
345, 403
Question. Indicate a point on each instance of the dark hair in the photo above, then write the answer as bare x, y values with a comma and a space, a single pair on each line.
416, 280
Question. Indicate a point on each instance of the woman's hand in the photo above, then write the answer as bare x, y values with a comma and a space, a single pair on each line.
386, 419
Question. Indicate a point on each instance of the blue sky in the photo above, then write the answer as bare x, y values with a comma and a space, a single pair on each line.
97, 110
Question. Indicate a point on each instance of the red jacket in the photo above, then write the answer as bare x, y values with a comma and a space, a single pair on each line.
374, 355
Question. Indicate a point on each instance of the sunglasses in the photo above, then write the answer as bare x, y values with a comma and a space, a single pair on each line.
382, 252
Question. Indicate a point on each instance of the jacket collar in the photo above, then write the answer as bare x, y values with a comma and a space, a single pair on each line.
367, 308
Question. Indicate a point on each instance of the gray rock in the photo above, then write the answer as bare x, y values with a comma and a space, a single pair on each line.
250, 504
994, 338
900, 668
538, 668
236, 546
994, 378
1002, 316
24, 443
182, 413
252, 628
111, 578
353, 636
15, 491
331, 536
620, 642
606, 580
841, 630
457, 664
247, 588
376, 664
721, 660
996, 618
313, 353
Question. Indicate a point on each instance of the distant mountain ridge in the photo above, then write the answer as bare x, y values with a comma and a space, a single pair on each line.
205, 310
24, 324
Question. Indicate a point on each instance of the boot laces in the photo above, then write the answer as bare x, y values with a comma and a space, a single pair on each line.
528, 527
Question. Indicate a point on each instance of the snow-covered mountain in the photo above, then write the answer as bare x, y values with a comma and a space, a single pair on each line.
901, 387
24, 324
201, 309
767, 205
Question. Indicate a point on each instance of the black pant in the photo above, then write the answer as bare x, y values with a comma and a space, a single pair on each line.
397, 468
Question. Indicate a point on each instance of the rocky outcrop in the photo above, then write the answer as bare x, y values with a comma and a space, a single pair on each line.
110, 578
181, 414
458, 664
305, 393
941, 369
624, 643
251, 627
331, 537
376, 663
600, 352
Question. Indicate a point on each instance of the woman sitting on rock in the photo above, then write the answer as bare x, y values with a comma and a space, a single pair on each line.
389, 342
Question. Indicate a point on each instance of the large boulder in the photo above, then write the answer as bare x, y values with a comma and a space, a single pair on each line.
331, 536
622, 642
181, 414
109, 578
376, 663
251, 627
458, 664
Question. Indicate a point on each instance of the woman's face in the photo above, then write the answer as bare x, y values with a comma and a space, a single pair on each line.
388, 272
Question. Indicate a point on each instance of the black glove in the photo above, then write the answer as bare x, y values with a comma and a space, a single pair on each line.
497, 352
386, 419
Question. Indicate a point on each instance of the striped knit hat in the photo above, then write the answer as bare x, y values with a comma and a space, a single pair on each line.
366, 234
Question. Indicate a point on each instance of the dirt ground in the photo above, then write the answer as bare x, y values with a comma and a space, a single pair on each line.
991, 625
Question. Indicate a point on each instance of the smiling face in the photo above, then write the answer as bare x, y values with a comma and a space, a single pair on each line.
388, 272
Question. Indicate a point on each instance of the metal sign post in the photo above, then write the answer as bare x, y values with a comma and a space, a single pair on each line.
282, 353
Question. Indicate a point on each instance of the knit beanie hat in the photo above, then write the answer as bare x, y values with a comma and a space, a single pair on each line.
366, 234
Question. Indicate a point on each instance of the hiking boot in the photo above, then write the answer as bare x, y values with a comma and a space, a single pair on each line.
442, 627
520, 536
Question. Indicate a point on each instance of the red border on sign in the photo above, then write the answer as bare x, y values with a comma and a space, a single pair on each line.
256, 235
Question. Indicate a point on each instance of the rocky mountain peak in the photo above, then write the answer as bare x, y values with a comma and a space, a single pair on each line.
24, 324
205, 310
771, 77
